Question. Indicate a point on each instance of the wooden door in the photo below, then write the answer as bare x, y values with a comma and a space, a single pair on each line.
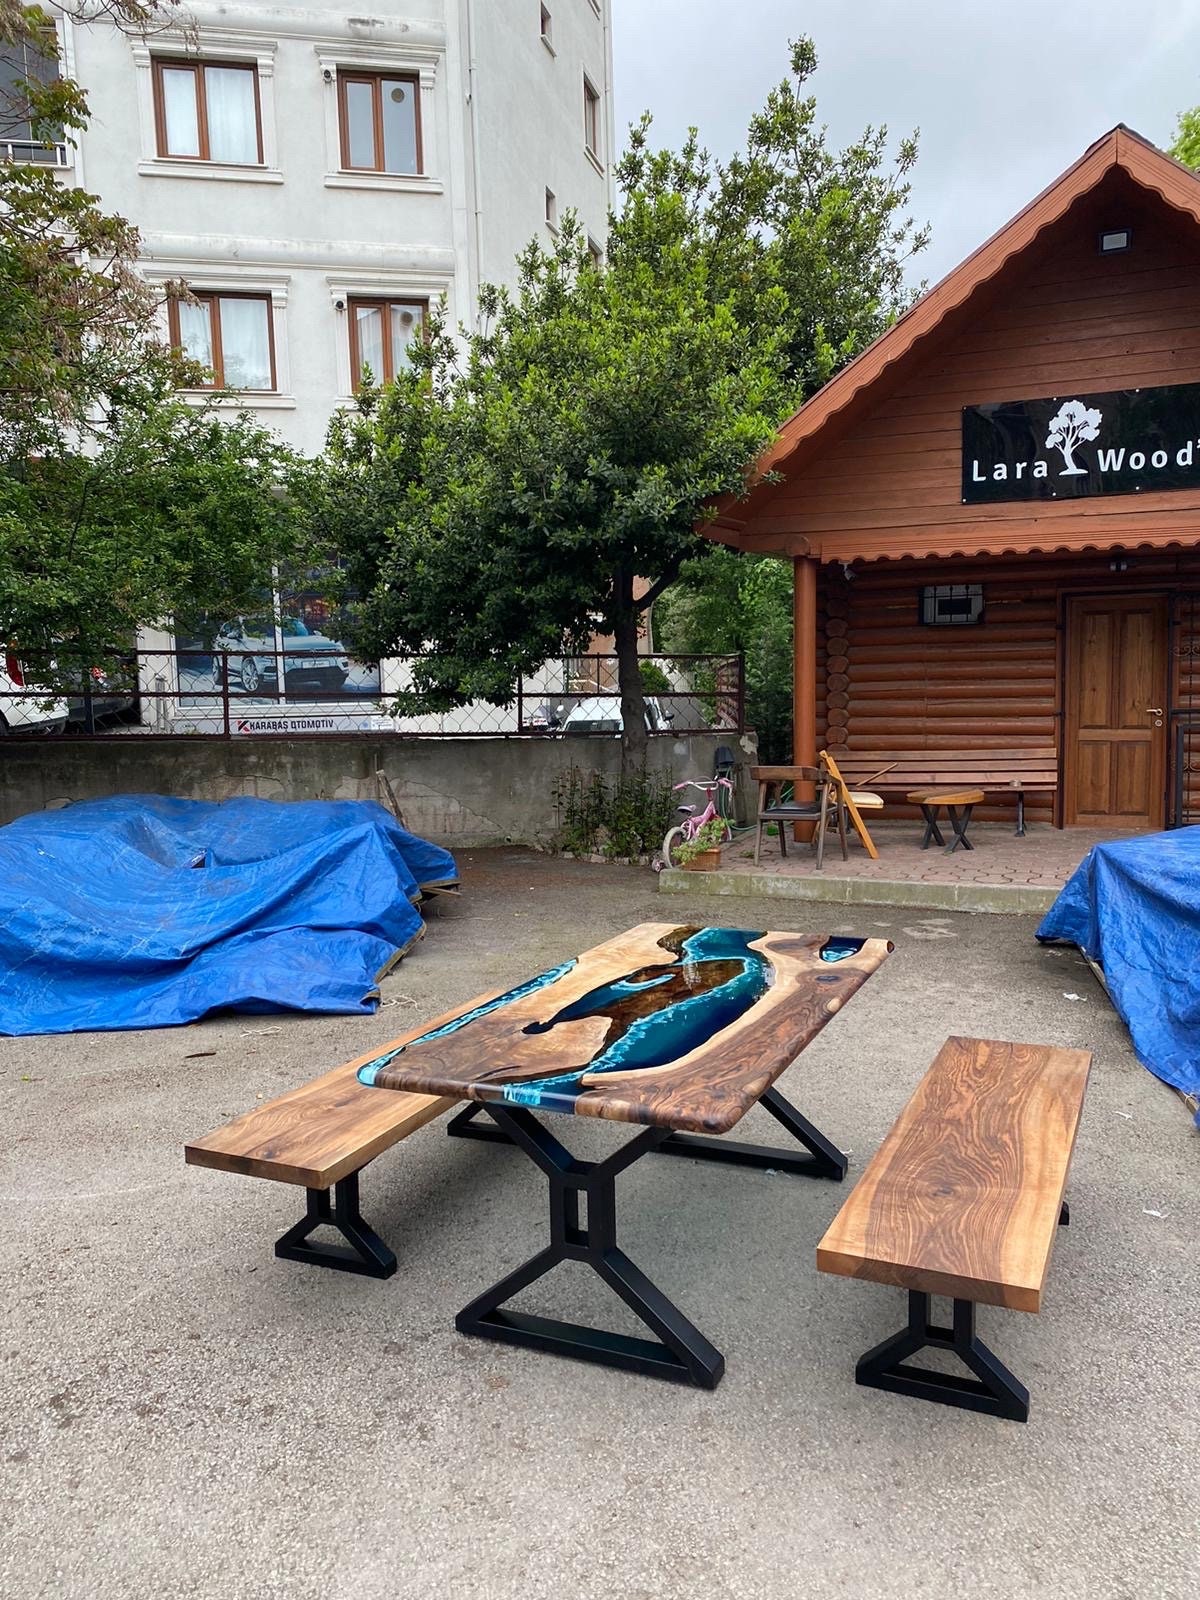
1116, 732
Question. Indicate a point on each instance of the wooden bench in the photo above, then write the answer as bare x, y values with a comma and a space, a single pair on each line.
1019, 772
964, 1198
320, 1136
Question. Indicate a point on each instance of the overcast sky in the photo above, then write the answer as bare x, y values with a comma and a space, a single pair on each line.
1006, 93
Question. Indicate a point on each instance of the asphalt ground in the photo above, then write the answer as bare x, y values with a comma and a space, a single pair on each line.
182, 1415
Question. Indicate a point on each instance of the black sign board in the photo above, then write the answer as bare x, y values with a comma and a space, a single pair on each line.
1075, 445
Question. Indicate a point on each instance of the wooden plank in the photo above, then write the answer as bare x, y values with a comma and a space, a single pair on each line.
705, 1090
317, 1134
963, 1196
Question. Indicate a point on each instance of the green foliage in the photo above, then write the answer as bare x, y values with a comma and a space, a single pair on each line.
709, 836
729, 602
627, 817
1185, 146
176, 509
495, 510
120, 503
654, 679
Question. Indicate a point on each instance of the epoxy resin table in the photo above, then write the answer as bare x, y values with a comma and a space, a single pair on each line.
680, 1029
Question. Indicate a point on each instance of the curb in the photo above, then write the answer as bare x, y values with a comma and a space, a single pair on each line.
1012, 899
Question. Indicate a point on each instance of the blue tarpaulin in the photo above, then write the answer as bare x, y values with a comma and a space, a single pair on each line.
143, 912
1134, 908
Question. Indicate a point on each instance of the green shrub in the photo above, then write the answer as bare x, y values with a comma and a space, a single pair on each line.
612, 817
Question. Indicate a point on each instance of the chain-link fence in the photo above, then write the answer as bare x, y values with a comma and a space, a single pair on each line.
248, 687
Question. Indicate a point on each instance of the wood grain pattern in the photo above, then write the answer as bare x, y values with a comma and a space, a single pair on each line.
706, 1090
871, 463
963, 1196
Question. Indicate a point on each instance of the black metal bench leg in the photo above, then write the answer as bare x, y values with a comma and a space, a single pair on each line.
960, 825
933, 834
678, 1351
472, 1123
992, 1389
1020, 833
363, 1251
823, 1158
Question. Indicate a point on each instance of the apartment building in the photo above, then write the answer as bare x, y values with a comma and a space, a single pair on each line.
319, 175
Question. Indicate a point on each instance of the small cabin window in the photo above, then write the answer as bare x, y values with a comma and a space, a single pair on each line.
951, 605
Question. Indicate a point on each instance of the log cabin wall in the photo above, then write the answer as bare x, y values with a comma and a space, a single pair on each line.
1060, 320
893, 684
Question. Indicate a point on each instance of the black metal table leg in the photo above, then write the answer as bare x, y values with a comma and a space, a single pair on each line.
472, 1123
960, 825
678, 1351
933, 834
824, 1159
993, 1389
363, 1252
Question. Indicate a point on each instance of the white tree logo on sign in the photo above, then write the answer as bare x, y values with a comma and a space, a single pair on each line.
1073, 424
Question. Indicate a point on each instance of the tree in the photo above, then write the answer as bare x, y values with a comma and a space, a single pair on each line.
496, 506
120, 503
1072, 424
727, 602
1186, 145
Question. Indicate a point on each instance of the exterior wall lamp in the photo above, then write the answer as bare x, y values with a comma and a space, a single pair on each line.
1114, 240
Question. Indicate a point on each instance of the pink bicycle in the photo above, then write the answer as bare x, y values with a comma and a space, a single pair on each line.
684, 832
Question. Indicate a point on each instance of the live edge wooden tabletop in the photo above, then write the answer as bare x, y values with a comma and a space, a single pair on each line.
963, 1196
675, 1027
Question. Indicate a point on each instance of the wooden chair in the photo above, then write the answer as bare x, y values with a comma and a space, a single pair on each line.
771, 782
852, 803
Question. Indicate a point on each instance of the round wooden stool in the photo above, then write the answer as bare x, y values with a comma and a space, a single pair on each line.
959, 804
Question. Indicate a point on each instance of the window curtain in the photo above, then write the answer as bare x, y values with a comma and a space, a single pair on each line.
179, 111
195, 332
246, 343
232, 121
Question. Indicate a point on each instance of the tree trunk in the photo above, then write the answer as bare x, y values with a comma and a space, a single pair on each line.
629, 679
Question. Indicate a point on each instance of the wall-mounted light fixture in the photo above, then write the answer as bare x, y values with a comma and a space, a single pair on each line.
1114, 240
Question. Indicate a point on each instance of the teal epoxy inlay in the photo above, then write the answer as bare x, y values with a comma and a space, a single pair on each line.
667, 1033
838, 947
367, 1075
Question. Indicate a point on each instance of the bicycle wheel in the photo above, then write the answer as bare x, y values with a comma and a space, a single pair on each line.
670, 844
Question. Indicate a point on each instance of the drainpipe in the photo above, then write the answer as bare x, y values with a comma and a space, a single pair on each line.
476, 186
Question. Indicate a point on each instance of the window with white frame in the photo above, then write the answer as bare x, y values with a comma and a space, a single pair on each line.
229, 333
591, 118
208, 111
381, 331
379, 116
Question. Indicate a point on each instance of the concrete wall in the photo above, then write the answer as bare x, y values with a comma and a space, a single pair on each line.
457, 791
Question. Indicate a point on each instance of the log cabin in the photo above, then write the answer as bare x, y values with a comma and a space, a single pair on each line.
993, 512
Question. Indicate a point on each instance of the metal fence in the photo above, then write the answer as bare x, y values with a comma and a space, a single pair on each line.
277, 690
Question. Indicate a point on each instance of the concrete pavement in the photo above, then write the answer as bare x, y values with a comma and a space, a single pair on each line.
181, 1415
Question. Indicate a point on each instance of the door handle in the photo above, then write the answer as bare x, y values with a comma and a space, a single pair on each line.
1154, 711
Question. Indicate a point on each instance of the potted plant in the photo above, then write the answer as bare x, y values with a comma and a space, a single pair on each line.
702, 852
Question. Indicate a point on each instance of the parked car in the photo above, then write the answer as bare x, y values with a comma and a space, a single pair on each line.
602, 714
244, 650
109, 696
24, 708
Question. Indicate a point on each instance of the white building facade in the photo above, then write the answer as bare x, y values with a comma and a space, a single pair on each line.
320, 175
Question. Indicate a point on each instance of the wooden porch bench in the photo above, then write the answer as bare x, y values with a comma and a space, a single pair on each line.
320, 1136
1022, 771
964, 1198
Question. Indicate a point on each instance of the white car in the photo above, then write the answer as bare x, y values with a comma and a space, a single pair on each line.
24, 708
602, 714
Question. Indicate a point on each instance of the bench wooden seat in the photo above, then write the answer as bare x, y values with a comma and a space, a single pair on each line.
964, 1198
1022, 771
320, 1136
